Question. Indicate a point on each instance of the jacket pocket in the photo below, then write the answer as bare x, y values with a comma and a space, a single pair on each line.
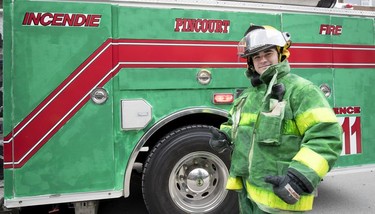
269, 124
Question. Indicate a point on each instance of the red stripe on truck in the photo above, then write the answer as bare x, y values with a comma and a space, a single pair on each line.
56, 109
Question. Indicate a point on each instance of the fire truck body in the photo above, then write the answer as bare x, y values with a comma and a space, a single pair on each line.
91, 88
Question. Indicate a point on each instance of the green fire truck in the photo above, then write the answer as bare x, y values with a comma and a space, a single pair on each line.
94, 88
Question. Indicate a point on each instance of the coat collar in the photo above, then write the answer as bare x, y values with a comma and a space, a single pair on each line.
282, 69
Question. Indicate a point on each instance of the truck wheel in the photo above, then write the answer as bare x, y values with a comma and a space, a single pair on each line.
184, 175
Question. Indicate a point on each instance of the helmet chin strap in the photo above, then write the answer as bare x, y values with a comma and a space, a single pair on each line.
252, 74
255, 79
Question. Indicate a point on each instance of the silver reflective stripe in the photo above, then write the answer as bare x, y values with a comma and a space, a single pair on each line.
237, 117
269, 89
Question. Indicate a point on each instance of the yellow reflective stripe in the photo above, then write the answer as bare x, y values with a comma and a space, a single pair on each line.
225, 127
290, 127
231, 111
313, 160
247, 119
314, 116
268, 198
234, 183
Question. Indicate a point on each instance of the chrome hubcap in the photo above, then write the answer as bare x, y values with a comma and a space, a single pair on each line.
197, 182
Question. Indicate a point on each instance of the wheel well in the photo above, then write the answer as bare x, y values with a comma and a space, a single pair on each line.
197, 118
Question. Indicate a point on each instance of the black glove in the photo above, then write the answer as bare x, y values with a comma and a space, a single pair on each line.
288, 187
219, 140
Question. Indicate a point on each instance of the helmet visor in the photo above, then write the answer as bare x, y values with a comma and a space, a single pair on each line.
261, 39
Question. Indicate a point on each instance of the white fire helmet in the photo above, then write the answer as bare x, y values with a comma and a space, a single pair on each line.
259, 38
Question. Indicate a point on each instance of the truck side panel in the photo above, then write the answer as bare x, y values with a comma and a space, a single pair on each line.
353, 88
350, 74
42, 92
59, 142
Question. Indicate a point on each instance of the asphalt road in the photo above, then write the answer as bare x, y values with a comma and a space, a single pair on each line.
341, 191
347, 192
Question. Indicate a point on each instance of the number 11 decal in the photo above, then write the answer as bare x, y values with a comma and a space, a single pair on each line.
351, 135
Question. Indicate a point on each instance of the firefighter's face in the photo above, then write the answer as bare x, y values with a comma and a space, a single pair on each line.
264, 59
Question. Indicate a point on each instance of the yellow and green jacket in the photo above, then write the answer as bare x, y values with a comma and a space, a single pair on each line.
300, 133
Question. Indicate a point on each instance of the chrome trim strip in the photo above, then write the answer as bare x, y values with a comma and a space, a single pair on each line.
61, 198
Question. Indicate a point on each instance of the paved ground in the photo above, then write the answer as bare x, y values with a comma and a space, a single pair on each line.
347, 192
342, 191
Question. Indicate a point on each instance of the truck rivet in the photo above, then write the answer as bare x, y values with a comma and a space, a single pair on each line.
204, 77
99, 95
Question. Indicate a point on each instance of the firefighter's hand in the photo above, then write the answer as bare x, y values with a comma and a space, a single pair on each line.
287, 187
219, 141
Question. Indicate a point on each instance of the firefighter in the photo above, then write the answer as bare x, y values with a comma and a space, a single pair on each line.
284, 135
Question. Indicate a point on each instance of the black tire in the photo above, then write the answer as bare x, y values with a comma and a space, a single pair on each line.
184, 175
